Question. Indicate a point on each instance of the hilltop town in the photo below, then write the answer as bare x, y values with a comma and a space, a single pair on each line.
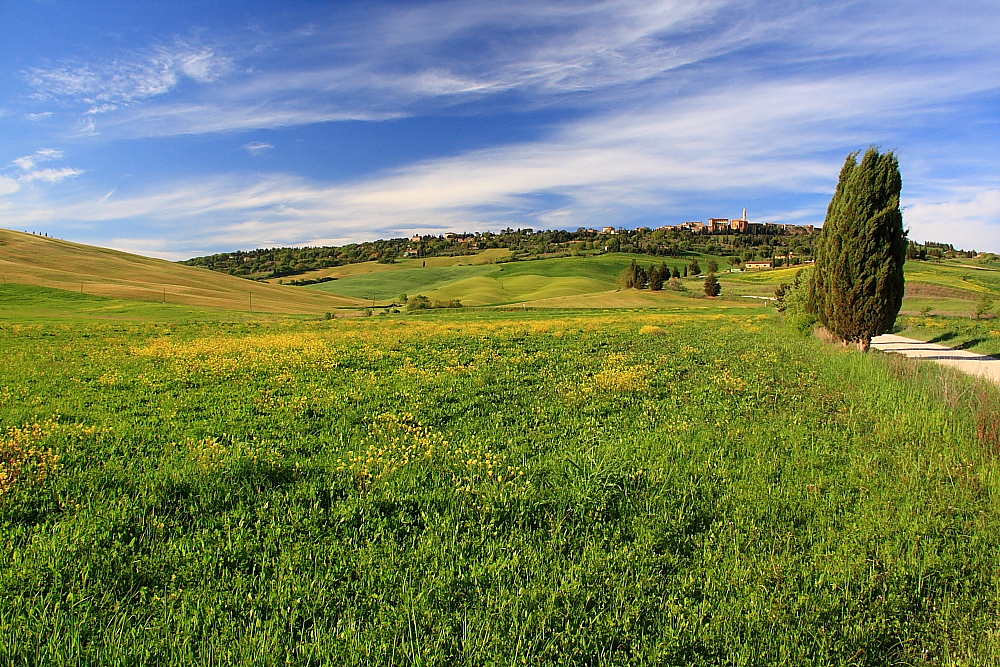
745, 241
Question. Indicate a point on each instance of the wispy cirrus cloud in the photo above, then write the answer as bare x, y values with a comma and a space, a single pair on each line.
257, 147
664, 105
28, 165
28, 162
106, 86
402, 60
49, 175
783, 139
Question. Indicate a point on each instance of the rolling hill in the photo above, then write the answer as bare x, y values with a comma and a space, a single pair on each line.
28, 259
488, 284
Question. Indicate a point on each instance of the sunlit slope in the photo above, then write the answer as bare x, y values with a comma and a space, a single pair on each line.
37, 260
512, 282
484, 257
34, 303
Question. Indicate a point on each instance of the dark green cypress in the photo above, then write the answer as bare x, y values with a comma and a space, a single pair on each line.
857, 287
712, 286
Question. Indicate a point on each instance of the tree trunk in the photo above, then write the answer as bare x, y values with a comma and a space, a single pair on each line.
864, 344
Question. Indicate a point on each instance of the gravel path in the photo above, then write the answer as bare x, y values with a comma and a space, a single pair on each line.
963, 360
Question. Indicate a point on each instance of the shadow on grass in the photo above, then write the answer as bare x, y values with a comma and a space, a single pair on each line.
948, 335
970, 343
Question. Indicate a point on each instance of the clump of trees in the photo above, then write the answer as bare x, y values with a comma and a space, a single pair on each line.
633, 277
857, 287
421, 302
636, 277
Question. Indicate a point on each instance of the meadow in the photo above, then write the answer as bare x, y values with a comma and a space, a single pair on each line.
629, 487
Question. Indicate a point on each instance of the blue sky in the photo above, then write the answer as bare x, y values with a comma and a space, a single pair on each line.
174, 129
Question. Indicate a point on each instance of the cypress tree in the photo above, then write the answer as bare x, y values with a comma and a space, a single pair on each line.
655, 279
857, 287
712, 286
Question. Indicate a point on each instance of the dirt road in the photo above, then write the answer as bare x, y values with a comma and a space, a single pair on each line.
963, 360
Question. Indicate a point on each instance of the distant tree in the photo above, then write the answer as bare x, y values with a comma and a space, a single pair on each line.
857, 287
694, 267
984, 306
713, 266
685, 272
418, 302
633, 277
655, 279
712, 286
675, 273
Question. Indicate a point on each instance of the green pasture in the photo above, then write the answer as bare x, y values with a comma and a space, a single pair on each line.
633, 487
511, 282
31, 303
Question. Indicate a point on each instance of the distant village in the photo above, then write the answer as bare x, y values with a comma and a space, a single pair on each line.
741, 243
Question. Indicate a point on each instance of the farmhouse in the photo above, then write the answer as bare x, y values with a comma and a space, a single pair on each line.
760, 264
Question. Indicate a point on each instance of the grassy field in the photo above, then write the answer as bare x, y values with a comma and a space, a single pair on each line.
633, 487
29, 259
949, 288
496, 284
483, 279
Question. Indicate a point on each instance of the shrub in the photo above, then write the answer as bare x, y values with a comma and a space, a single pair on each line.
793, 301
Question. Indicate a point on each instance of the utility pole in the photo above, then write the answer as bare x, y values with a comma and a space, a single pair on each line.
251, 302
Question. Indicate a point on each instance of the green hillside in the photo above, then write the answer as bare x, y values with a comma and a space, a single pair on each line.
29, 259
511, 282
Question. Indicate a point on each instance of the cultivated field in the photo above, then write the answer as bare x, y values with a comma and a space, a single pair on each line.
949, 288
671, 486
28, 259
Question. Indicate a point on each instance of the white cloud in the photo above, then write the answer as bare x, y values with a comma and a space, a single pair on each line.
28, 162
8, 186
774, 141
401, 60
42, 115
971, 220
257, 147
105, 87
50, 175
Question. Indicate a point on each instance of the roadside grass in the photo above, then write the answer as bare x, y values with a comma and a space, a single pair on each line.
584, 487
964, 333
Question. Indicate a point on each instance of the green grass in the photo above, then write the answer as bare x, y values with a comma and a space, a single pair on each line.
965, 333
29, 303
511, 282
630, 487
